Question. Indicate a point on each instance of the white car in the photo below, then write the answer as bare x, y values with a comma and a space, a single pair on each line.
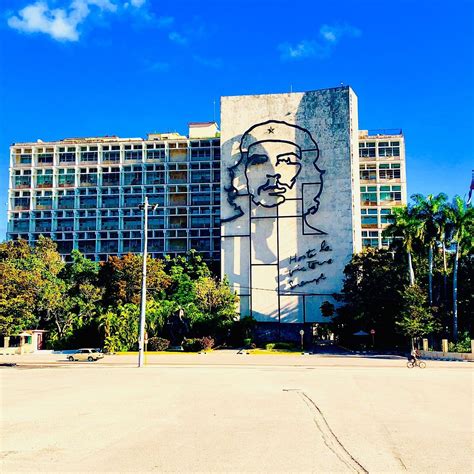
86, 354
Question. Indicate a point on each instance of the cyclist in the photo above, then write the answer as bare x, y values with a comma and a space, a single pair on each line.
414, 355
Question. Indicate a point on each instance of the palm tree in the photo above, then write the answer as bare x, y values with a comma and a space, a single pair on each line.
445, 235
404, 226
429, 212
461, 217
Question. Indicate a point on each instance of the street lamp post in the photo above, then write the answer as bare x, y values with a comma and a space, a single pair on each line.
141, 338
302, 340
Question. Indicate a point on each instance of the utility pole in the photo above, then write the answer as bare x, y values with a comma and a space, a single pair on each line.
141, 337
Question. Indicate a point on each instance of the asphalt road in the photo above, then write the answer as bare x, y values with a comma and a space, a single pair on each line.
203, 413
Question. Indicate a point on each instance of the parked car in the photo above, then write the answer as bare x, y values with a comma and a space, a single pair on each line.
86, 354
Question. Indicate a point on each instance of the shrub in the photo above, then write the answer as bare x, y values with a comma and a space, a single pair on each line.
198, 344
158, 344
206, 343
289, 346
463, 345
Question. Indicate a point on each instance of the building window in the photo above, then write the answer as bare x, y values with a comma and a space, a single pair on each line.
367, 150
389, 149
390, 193
155, 154
44, 179
22, 181
389, 171
368, 195
67, 157
45, 158
385, 216
66, 178
368, 172
133, 154
111, 177
88, 177
89, 156
21, 203
111, 156
25, 159
201, 155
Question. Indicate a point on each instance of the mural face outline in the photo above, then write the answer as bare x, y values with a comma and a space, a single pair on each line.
272, 156
270, 171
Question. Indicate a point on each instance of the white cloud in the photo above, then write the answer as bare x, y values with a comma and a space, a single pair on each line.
333, 33
304, 49
177, 38
59, 23
321, 48
137, 3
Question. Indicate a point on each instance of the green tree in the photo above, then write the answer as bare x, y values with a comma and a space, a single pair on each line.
217, 304
416, 319
429, 211
157, 314
327, 309
29, 283
120, 326
18, 293
461, 217
404, 227
371, 294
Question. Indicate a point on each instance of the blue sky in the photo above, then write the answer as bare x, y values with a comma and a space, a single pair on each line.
113, 67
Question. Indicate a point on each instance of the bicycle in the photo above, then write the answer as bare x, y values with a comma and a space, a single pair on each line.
416, 363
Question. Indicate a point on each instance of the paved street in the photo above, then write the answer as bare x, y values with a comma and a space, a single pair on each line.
224, 412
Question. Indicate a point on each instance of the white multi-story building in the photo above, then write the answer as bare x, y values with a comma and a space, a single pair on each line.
85, 193
383, 183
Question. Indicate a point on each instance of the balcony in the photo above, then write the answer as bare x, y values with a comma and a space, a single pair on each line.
178, 177
89, 157
106, 181
22, 226
177, 245
110, 246
66, 203
89, 224
67, 226
66, 184
44, 184
45, 159
110, 202
86, 247
132, 246
110, 224
178, 155
129, 224
23, 160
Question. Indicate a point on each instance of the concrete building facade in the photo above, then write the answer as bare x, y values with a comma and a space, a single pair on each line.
383, 183
290, 201
84, 193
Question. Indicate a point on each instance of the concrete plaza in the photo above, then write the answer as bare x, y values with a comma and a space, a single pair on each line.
235, 413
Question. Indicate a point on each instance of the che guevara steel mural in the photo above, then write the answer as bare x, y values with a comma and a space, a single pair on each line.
277, 160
